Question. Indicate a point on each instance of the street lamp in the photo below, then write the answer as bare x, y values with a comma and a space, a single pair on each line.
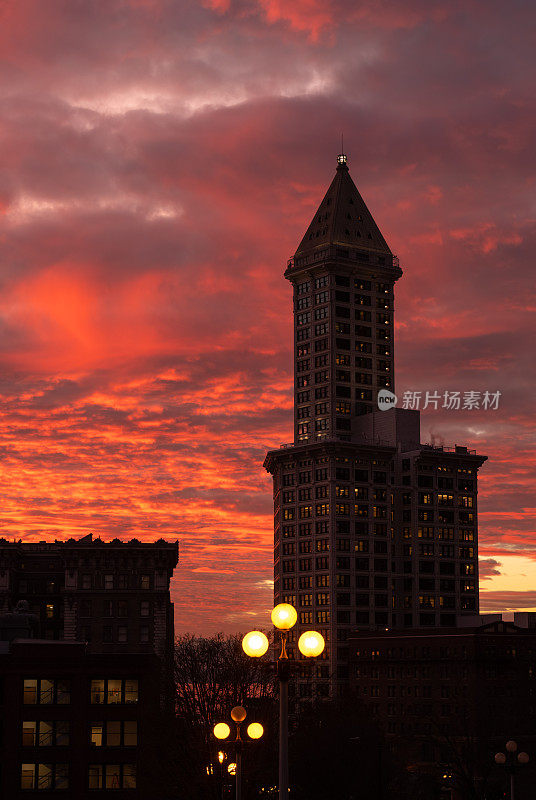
310, 644
509, 761
222, 731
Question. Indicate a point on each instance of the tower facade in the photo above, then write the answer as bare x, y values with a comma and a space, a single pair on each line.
373, 529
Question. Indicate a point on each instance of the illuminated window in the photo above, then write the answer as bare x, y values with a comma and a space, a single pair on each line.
114, 691
44, 776
44, 691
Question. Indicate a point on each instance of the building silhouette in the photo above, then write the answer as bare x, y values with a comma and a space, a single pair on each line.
446, 698
86, 667
373, 529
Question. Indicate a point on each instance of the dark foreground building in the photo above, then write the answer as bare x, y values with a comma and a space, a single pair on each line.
86, 668
372, 528
114, 596
77, 724
448, 699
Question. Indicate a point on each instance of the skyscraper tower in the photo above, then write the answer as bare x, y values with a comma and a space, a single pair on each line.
373, 529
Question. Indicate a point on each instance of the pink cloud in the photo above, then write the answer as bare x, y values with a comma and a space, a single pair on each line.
162, 161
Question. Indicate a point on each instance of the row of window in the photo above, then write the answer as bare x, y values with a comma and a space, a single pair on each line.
305, 301
343, 280
114, 608
344, 360
323, 473
322, 562
446, 568
110, 581
442, 516
56, 733
304, 318
55, 777
341, 509
120, 634
51, 691
341, 526
428, 498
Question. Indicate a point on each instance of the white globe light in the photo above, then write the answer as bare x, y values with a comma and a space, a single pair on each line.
255, 644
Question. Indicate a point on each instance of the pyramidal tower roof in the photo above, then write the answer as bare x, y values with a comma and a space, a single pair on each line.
343, 218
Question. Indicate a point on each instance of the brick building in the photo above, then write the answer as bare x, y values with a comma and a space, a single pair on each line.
76, 724
86, 667
112, 595
450, 696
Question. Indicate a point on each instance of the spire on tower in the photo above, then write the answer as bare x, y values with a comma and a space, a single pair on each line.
343, 218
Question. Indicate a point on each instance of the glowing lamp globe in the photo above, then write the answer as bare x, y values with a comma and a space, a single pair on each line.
311, 644
255, 730
284, 616
238, 714
221, 730
523, 758
511, 746
500, 758
255, 644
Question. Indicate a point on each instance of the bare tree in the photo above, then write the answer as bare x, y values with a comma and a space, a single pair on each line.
211, 676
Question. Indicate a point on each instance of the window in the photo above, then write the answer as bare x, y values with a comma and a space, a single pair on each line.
110, 691
41, 733
342, 360
114, 733
44, 691
85, 608
108, 581
44, 776
112, 776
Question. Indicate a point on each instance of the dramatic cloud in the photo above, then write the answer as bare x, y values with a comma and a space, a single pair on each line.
162, 159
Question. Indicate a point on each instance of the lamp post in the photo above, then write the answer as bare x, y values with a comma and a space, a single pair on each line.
511, 764
310, 644
223, 731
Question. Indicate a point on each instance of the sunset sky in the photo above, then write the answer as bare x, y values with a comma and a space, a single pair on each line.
161, 160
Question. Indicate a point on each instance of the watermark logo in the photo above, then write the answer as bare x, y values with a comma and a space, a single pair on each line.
386, 400
452, 401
